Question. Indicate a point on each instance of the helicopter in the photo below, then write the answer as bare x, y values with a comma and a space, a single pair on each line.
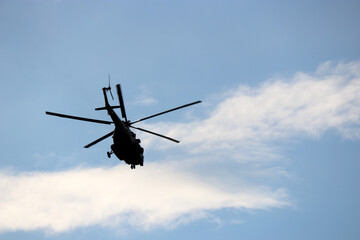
126, 146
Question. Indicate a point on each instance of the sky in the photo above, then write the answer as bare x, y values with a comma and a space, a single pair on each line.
272, 152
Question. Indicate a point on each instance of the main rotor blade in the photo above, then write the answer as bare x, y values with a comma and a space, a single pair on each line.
155, 115
98, 140
121, 101
79, 118
159, 135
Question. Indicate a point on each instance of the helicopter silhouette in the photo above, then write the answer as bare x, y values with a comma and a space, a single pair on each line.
125, 145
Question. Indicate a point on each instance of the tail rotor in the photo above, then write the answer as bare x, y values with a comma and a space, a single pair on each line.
109, 89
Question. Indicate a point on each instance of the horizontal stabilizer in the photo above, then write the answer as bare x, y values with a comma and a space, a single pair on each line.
104, 108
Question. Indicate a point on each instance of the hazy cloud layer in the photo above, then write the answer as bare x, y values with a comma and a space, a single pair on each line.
242, 127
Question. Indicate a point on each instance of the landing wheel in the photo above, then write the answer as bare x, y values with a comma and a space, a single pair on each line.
132, 166
109, 154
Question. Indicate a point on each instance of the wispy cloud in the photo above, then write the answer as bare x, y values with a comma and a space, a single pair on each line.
225, 160
156, 196
145, 101
303, 105
144, 98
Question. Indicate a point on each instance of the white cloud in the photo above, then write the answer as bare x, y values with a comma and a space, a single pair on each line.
227, 160
304, 105
158, 195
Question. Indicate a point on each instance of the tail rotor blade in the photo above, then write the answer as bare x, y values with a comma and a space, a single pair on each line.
109, 88
121, 101
99, 139
111, 94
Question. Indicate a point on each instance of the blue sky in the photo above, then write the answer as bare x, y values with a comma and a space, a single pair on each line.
271, 153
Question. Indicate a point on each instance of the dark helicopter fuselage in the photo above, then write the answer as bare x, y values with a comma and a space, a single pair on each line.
126, 147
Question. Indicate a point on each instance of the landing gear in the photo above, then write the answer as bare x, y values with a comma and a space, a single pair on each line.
109, 154
132, 166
